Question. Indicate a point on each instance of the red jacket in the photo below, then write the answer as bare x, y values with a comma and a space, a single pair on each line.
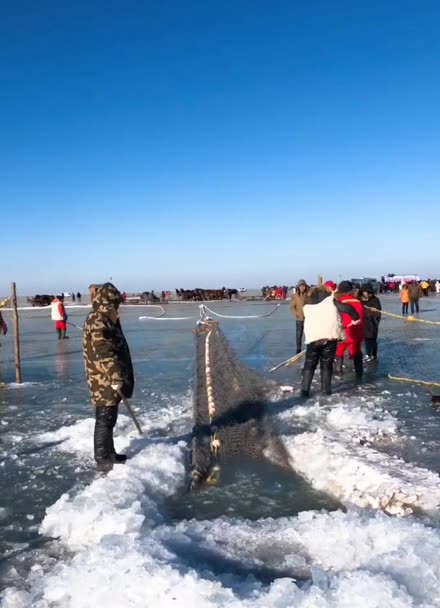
354, 333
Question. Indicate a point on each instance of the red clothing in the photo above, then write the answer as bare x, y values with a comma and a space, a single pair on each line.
60, 325
354, 348
353, 333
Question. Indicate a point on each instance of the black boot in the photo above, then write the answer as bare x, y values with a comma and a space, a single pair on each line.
64, 335
358, 365
106, 417
337, 366
59, 334
119, 458
307, 377
326, 381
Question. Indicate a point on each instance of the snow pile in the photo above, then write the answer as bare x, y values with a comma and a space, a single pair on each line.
120, 503
336, 459
315, 560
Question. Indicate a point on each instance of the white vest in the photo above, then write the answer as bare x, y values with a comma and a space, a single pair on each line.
322, 321
56, 316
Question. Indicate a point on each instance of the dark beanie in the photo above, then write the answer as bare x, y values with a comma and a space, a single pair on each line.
367, 287
345, 286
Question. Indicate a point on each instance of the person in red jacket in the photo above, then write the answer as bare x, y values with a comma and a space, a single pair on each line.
354, 331
59, 316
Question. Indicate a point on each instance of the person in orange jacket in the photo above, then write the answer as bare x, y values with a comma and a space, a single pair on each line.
354, 331
404, 298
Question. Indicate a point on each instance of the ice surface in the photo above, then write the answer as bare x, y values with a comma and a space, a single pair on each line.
122, 550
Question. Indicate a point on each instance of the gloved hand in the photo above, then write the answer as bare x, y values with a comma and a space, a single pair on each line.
117, 386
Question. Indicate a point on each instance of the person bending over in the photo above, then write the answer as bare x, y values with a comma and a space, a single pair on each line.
322, 329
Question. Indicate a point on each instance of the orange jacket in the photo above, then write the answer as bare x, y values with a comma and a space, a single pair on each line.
404, 296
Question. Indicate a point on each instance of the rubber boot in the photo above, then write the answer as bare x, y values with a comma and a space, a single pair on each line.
358, 365
119, 458
326, 382
106, 417
59, 334
337, 366
64, 335
307, 377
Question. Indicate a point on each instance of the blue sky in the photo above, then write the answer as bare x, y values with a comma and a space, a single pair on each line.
177, 144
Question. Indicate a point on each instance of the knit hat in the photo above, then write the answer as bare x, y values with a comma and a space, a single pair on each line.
367, 287
330, 285
345, 286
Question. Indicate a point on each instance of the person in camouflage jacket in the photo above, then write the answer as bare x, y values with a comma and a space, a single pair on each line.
109, 370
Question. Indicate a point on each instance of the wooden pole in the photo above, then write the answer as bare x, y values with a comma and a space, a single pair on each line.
18, 376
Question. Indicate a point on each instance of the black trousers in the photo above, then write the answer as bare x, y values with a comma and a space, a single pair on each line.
322, 352
414, 306
371, 346
105, 421
299, 335
405, 308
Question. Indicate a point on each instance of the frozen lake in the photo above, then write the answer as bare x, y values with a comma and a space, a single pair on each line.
263, 537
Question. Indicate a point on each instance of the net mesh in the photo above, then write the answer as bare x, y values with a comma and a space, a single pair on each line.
229, 407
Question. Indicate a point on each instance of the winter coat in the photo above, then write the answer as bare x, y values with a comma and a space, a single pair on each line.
106, 353
404, 295
58, 310
354, 333
323, 317
298, 301
371, 319
415, 291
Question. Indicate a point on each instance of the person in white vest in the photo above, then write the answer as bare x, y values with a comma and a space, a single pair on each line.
322, 330
59, 316
437, 286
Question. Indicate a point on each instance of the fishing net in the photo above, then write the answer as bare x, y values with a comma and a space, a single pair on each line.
229, 407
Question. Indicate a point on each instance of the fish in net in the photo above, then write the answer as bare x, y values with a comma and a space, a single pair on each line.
229, 409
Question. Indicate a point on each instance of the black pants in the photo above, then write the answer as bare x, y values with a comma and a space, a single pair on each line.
405, 308
371, 347
322, 352
414, 306
299, 335
105, 421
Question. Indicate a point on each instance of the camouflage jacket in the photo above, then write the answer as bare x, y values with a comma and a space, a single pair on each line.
106, 353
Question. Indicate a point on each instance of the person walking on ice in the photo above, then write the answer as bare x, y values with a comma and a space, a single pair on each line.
109, 371
59, 316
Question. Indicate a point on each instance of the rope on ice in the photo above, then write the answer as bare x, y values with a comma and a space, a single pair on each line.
413, 381
203, 315
411, 319
217, 314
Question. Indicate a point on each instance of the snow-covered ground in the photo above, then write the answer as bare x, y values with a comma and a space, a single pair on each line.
124, 552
